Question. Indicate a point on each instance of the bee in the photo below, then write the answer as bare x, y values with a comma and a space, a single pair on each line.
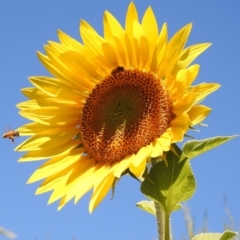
117, 69
11, 135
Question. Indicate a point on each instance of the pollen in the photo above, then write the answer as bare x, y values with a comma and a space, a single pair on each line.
122, 114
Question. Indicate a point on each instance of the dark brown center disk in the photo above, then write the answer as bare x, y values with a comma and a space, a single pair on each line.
124, 113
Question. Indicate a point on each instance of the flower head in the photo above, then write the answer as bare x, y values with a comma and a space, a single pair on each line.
113, 103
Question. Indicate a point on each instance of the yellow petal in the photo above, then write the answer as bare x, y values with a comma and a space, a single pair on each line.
150, 28
181, 121
178, 134
92, 41
49, 138
53, 69
120, 167
56, 165
31, 128
112, 27
131, 16
48, 85
138, 170
121, 51
88, 182
114, 33
165, 141
70, 42
198, 113
84, 68
80, 179
130, 51
157, 149
33, 93
189, 54
160, 51
110, 55
175, 47
53, 181
55, 114
194, 69
64, 63
181, 84
141, 45
85, 24
204, 89
141, 155
100, 191
184, 105
50, 152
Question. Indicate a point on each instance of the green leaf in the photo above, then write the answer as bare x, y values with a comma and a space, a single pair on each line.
147, 206
177, 207
169, 185
227, 235
193, 148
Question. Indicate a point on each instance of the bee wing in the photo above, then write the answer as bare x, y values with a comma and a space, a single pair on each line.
8, 128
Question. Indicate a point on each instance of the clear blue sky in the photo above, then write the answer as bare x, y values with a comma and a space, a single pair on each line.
25, 26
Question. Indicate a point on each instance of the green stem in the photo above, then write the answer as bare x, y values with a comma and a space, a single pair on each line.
160, 221
163, 220
163, 223
167, 227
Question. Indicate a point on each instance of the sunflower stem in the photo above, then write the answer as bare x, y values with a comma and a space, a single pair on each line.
160, 221
163, 220
167, 227
163, 223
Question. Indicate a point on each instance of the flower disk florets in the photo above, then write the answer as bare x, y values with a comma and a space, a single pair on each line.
124, 113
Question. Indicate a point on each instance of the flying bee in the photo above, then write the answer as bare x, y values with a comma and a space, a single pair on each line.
117, 69
11, 135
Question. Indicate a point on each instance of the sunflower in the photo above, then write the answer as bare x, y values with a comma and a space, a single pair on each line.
113, 103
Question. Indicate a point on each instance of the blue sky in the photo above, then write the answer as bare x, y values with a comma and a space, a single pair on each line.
25, 26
